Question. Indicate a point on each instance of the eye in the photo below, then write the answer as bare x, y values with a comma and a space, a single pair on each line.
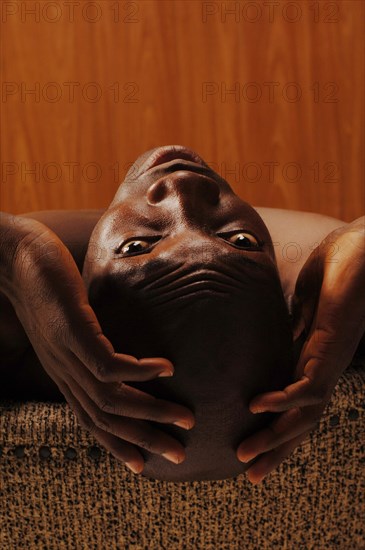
135, 246
243, 239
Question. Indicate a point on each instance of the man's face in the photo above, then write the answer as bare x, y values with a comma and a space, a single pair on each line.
180, 267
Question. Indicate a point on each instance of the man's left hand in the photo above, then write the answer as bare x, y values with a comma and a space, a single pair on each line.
329, 303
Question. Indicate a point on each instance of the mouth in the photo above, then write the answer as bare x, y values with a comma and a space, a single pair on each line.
172, 153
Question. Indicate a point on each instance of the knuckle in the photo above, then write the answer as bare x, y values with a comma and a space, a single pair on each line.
100, 420
92, 429
152, 414
87, 423
297, 414
111, 406
122, 390
144, 443
318, 393
106, 405
327, 337
313, 424
100, 371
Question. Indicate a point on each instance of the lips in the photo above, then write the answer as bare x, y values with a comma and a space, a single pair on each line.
171, 152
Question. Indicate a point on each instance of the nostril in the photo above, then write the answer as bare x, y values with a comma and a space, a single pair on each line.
181, 184
157, 192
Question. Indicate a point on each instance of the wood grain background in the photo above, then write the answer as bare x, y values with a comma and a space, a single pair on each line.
111, 79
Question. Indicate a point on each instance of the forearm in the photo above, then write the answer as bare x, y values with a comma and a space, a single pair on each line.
12, 232
73, 227
13, 339
25, 245
359, 358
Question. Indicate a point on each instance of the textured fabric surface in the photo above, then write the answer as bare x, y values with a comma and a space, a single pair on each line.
61, 490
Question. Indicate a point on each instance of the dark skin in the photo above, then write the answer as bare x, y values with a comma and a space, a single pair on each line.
200, 287
185, 212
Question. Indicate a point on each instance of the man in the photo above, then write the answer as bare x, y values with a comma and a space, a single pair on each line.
180, 267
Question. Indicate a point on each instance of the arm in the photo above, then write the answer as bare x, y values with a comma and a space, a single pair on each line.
294, 235
16, 353
74, 228
304, 229
329, 305
40, 278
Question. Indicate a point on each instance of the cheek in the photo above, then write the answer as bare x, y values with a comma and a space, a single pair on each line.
121, 314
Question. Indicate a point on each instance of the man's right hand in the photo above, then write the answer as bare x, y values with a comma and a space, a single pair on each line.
47, 292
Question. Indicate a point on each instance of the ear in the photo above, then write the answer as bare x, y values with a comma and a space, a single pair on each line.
289, 304
295, 315
302, 313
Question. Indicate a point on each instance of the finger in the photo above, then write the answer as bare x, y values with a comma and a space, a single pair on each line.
123, 400
121, 450
137, 432
287, 426
325, 354
88, 343
306, 391
271, 460
117, 367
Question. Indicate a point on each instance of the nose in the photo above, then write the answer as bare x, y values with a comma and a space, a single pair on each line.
191, 190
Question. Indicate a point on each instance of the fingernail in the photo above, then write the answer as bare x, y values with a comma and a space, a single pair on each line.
258, 411
173, 457
183, 424
246, 458
165, 373
257, 480
135, 469
156, 362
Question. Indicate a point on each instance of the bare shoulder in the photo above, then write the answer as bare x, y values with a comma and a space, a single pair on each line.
295, 235
288, 224
63, 222
73, 227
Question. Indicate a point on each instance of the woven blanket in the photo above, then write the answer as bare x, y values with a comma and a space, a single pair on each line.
61, 490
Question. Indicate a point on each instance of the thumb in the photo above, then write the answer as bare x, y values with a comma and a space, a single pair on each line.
307, 291
303, 310
297, 319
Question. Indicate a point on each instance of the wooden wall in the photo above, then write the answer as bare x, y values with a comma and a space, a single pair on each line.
291, 135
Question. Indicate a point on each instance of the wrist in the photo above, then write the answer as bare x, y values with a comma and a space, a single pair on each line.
15, 233
10, 238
